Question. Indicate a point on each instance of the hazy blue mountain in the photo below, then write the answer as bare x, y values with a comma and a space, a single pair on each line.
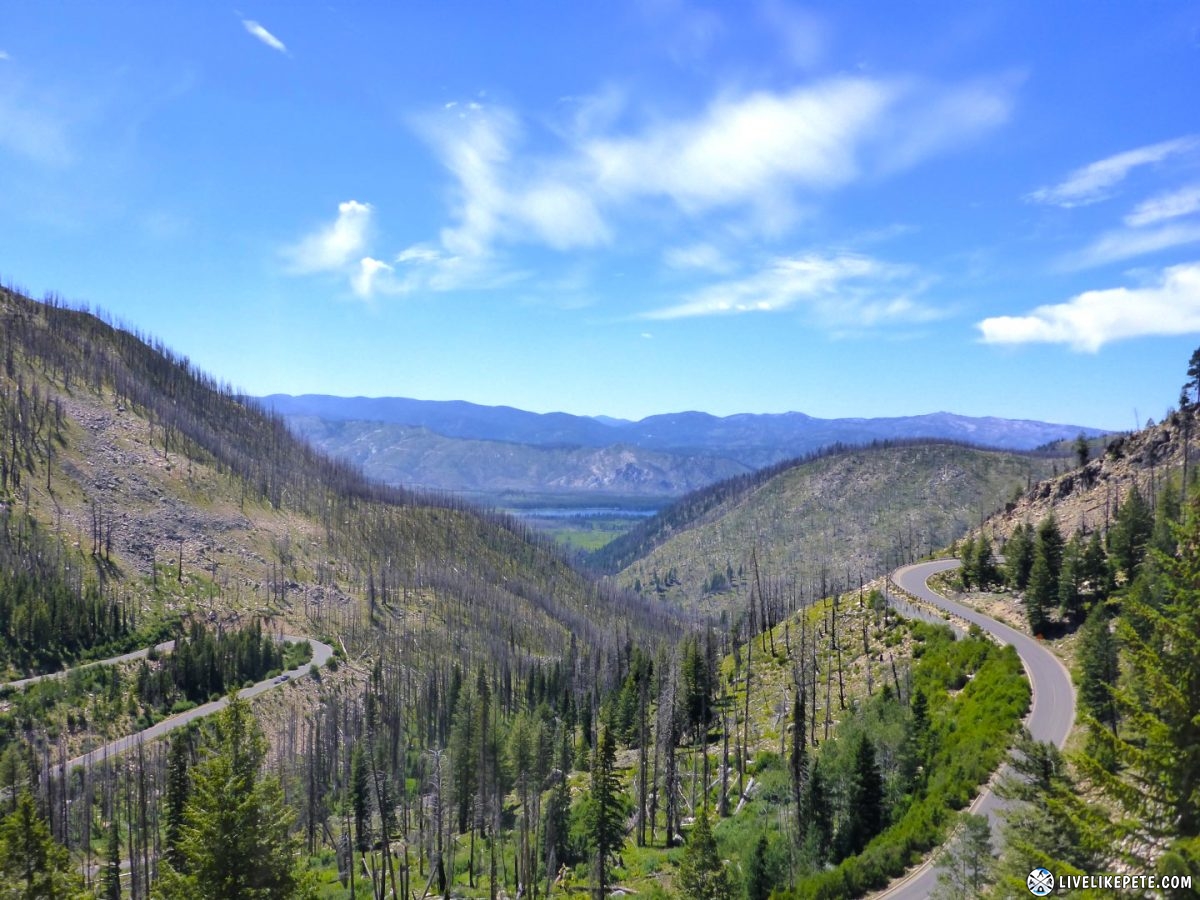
419, 457
460, 446
452, 418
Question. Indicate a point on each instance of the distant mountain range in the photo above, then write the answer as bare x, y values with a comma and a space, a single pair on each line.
460, 446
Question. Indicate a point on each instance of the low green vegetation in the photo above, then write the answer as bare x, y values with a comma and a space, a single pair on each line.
51, 616
494, 722
108, 701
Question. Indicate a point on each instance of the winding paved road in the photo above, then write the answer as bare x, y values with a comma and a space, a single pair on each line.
1050, 716
164, 647
321, 654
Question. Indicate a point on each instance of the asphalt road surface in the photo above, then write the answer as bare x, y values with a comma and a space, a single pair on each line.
321, 654
164, 647
1050, 717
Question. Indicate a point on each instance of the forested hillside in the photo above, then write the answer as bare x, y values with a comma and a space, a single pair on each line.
493, 722
1102, 562
138, 495
152, 464
826, 520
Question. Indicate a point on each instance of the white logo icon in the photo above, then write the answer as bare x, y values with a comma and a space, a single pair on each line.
1040, 882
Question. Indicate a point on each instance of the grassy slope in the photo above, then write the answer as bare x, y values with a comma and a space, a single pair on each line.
851, 511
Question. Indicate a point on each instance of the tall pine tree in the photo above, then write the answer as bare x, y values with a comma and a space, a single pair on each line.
235, 841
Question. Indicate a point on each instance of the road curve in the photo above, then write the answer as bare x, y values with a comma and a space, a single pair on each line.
1050, 718
321, 654
164, 647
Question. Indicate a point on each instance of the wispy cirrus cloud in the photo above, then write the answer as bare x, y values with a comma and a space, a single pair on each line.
1094, 182
745, 151
1088, 321
500, 196
754, 156
34, 127
841, 290
261, 33
702, 256
335, 246
1126, 243
1169, 205
4, 57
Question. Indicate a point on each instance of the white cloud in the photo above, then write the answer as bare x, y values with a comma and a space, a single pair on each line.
1092, 319
418, 253
749, 154
926, 121
1114, 246
4, 57
1169, 205
499, 198
745, 147
843, 290
263, 35
697, 256
757, 151
1091, 183
334, 246
560, 215
369, 270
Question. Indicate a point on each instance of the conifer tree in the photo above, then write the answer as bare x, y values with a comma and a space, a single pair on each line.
1047, 822
1082, 451
1098, 668
1158, 744
33, 866
178, 787
1018, 553
914, 759
606, 814
235, 839
110, 876
986, 574
1130, 534
820, 825
464, 770
799, 763
968, 572
702, 875
1040, 594
965, 865
360, 799
1070, 586
865, 812
1166, 520
1050, 540
1095, 573
758, 875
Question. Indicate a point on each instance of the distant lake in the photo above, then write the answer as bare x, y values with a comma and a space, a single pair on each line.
581, 512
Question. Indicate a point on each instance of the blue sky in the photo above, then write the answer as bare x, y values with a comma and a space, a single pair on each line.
847, 210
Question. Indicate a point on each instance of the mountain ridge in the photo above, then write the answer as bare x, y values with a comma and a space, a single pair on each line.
827, 518
664, 455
